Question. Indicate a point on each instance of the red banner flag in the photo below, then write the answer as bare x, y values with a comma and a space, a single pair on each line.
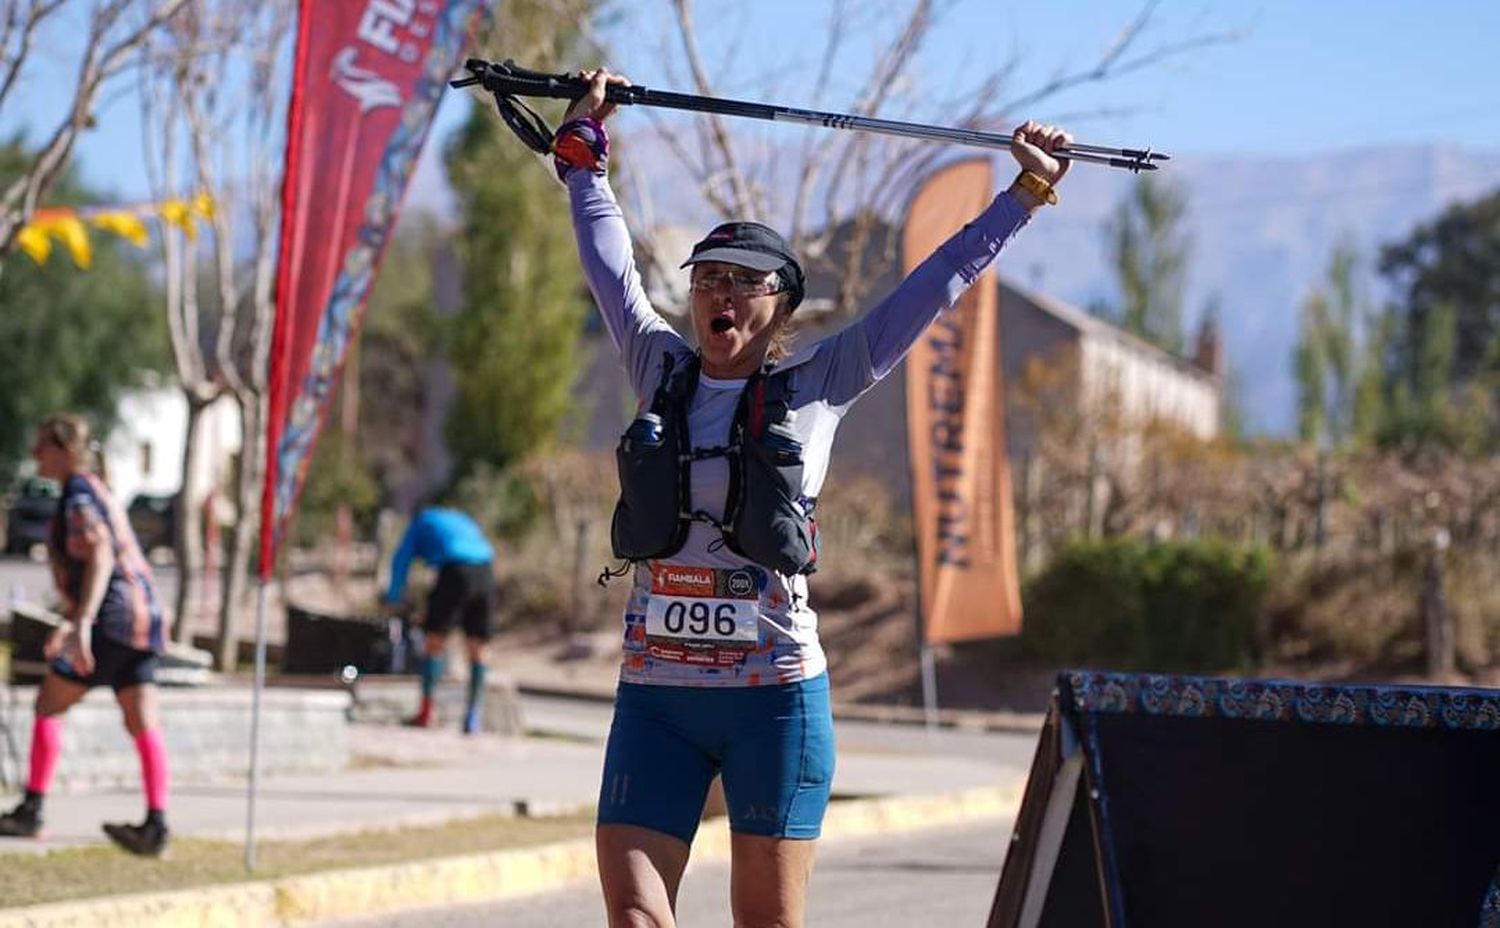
366, 84
956, 429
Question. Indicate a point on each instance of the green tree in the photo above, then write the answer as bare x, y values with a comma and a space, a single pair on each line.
1324, 357
337, 476
1370, 405
69, 338
1427, 409
394, 352
514, 344
1442, 363
1149, 250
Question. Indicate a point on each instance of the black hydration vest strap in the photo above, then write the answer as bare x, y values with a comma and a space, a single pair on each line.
735, 499
764, 400
677, 394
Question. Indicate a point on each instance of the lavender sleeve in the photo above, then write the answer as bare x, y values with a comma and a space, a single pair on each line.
604, 248
867, 350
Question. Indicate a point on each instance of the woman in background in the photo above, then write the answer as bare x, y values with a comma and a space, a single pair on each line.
112, 634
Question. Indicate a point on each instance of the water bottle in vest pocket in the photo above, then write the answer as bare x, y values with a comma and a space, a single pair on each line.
645, 522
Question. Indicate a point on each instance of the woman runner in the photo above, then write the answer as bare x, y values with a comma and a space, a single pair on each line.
722, 672
112, 634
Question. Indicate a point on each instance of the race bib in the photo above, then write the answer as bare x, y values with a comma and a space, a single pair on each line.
703, 615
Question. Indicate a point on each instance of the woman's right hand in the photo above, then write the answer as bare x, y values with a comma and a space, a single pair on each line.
593, 104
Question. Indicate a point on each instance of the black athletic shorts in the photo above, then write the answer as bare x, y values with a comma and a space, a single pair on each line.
464, 594
116, 665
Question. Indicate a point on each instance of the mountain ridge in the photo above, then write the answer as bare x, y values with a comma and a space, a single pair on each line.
1263, 230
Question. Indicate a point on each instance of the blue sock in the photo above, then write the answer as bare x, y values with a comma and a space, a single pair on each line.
477, 672
432, 672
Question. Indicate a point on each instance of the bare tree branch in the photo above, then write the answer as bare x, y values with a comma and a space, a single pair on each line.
877, 91
842, 187
1110, 64
740, 194
10, 66
813, 154
102, 58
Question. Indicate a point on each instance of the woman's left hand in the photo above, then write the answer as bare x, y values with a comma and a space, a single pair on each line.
57, 641
80, 649
593, 104
1033, 148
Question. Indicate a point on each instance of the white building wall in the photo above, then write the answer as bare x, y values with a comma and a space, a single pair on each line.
1148, 386
144, 451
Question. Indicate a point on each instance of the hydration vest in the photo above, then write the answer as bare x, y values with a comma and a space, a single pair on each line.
765, 518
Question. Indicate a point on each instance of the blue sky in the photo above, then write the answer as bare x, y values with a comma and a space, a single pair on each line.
1306, 76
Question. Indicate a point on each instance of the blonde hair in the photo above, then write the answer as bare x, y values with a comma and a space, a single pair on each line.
71, 433
782, 338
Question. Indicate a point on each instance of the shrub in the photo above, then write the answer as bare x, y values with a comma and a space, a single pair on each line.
1127, 603
1364, 610
503, 502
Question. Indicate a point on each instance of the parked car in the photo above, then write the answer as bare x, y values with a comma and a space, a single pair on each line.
33, 503
154, 519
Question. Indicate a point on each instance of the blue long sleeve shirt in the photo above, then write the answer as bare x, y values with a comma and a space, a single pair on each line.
777, 641
439, 537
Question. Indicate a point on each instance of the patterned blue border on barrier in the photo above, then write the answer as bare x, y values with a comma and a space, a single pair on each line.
1091, 691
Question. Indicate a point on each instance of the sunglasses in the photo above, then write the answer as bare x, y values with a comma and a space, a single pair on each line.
738, 284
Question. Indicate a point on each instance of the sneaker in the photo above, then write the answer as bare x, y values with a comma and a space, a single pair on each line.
146, 840
418, 721
24, 821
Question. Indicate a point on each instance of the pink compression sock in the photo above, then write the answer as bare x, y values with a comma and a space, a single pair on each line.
46, 745
153, 753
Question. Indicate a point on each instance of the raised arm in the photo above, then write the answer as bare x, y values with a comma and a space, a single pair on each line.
608, 259
604, 247
894, 324
887, 332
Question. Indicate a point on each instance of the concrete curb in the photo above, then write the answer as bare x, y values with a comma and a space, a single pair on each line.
469, 879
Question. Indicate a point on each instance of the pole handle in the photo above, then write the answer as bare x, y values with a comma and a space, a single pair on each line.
510, 79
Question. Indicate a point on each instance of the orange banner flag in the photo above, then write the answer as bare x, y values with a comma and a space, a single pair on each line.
961, 488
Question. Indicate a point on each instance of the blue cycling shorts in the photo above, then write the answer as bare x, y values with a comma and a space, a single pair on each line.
773, 745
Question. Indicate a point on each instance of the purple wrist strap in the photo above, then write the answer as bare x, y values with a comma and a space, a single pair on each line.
580, 143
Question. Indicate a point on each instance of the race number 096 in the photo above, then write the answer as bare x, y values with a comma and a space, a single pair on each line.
697, 618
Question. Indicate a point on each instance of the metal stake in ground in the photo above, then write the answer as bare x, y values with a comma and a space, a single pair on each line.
509, 81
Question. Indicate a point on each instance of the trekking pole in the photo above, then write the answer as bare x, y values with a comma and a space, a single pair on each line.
509, 81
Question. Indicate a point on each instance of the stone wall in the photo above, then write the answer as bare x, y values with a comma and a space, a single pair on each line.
207, 731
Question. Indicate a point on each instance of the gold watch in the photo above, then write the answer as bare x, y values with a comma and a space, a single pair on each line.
1035, 185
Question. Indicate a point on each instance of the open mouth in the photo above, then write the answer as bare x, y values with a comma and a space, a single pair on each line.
720, 324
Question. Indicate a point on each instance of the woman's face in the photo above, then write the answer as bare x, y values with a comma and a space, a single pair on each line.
52, 461
736, 310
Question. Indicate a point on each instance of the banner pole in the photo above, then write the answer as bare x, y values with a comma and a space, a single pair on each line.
929, 688
255, 691
925, 659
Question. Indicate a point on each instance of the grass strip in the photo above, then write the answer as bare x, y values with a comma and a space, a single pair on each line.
72, 874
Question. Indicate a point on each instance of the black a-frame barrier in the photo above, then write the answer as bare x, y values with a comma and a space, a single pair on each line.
1187, 802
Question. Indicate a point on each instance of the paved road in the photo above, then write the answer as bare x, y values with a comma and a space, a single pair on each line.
939, 877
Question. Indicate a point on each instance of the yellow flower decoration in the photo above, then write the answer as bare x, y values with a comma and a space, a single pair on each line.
128, 226
75, 237
34, 241
179, 213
